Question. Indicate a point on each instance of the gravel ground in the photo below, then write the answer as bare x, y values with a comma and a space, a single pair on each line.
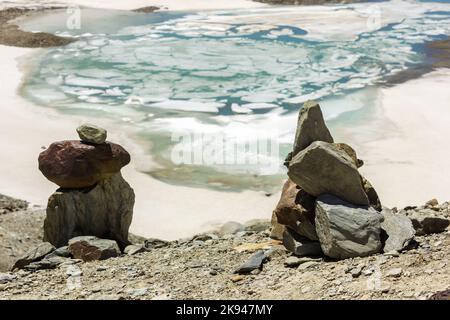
202, 268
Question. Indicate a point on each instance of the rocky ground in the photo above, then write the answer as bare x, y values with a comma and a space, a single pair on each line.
202, 268
20, 230
11, 35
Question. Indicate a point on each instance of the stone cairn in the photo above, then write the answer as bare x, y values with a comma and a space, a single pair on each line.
327, 207
93, 199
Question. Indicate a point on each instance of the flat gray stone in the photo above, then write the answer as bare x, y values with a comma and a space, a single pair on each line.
255, 262
346, 230
324, 168
62, 252
33, 255
46, 263
398, 231
92, 134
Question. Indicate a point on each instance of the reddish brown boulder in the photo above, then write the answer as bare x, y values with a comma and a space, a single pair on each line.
296, 210
89, 248
75, 164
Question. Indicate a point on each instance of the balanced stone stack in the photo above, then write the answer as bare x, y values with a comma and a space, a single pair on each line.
327, 206
93, 198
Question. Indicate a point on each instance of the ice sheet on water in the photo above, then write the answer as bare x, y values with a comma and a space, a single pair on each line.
195, 106
239, 71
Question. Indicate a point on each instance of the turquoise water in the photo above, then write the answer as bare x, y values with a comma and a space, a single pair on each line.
240, 75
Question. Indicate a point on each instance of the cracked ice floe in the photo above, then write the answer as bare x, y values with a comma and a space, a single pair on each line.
195, 106
240, 71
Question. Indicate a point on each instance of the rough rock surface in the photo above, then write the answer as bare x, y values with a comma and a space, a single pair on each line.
89, 248
397, 231
323, 168
91, 134
8, 204
74, 164
296, 210
310, 127
104, 211
277, 229
372, 195
346, 230
49, 262
351, 153
254, 263
20, 231
34, 254
300, 246
425, 221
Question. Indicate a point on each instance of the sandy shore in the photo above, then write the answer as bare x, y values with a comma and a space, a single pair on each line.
406, 165
166, 4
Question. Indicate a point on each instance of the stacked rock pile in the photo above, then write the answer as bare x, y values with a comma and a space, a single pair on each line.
327, 207
93, 198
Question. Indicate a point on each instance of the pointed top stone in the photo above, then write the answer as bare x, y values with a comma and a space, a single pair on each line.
310, 127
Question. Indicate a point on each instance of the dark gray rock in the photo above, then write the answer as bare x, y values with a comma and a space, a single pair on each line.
300, 246
62, 252
90, 248
397, 231
255, 262
310, 127
91, 134
346, 230
323, 168
427, 221
33, 255
104, 211
46, 263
